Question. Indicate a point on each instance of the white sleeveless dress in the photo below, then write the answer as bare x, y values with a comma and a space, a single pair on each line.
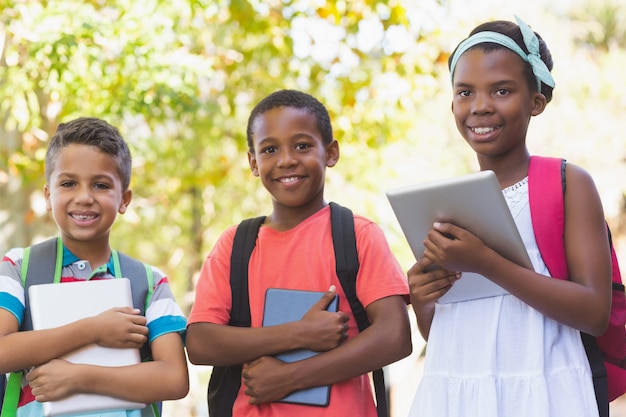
498, 357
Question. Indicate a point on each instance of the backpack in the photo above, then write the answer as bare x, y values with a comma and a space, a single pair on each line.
37, 262
226, 380
607, 352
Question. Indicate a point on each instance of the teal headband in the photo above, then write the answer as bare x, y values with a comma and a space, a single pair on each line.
541, 71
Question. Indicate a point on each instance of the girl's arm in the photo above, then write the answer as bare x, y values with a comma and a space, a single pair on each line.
163, 378
584, 301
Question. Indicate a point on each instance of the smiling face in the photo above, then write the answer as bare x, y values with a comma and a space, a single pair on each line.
493, 102
291, 158
84, 194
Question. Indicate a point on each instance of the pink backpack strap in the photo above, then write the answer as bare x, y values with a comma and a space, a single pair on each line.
547, 211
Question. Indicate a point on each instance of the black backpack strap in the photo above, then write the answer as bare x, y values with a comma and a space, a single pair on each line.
243, 245
347, 267
347, 259
598, 373
226, 380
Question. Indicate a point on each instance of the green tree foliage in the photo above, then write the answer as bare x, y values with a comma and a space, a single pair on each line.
179, 79
602, 24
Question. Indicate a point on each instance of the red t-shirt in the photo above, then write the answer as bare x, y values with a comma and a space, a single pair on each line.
302, 258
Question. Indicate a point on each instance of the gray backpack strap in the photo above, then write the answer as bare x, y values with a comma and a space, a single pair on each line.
38, 267
42, 260
141, 280
141, 286
41, 271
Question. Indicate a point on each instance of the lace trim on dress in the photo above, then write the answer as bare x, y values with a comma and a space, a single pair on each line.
516, 196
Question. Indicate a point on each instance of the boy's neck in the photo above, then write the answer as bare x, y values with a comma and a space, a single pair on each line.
96, 253
285, 218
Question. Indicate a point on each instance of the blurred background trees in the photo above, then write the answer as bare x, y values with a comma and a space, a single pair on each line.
179, 79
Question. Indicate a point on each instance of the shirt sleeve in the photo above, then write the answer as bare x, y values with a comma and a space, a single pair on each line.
163, 314
213, 297
380, 274
12, 297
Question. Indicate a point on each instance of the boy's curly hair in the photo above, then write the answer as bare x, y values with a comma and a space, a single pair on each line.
295, 99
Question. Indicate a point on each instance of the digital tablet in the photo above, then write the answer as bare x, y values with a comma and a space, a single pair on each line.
474, 202
54, 305
284, 306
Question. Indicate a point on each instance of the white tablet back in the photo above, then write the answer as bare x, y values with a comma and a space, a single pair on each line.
54, 305
473, 202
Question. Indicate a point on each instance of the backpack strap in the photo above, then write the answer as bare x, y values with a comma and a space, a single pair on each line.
48, 258
133, 269
12, 394
546, 189
546, 186
142, 286
243, 245
226, 380
598, 373
347, 259
347, 267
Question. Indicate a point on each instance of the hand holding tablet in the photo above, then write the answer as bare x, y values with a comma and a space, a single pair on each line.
473, 202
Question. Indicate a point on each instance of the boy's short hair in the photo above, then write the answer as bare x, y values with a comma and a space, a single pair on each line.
513, 31
295, 99
95, 132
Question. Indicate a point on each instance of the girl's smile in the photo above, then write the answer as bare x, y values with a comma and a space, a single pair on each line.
492, 102
484, 134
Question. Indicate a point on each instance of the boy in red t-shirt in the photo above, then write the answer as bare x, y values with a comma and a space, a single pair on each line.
290, 145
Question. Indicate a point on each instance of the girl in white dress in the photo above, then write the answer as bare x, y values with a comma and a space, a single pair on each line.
518, 354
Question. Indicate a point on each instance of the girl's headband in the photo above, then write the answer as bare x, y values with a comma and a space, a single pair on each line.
541, 71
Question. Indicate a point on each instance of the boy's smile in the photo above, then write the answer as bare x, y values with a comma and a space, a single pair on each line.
291, 157
84, 195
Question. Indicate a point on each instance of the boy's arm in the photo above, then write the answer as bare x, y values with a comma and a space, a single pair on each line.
386, 340
120, 327
212, 344
163, 378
